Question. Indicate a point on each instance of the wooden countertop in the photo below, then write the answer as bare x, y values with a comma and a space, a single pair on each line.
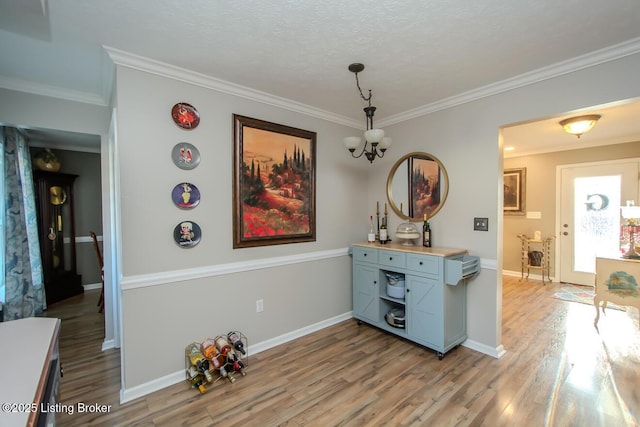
437, 251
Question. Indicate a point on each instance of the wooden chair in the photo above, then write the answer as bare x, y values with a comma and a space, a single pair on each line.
101, 264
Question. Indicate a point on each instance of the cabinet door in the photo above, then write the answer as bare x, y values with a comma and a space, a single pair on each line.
365, 292
425, 310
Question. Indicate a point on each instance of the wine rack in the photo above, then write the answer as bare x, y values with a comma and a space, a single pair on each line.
215, 359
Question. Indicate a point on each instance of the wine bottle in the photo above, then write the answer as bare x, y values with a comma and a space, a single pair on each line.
222, 345
209, 349
383, 231
371, 237
196, 379
236, 341
198, 360
426, 232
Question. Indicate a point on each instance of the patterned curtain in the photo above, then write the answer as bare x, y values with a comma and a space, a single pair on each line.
22, 289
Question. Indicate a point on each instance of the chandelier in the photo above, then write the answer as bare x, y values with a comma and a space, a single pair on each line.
372, 137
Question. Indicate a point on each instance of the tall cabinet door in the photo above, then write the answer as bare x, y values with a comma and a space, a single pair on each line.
365, 292
425, 316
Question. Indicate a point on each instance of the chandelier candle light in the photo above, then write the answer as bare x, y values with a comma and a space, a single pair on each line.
375, 137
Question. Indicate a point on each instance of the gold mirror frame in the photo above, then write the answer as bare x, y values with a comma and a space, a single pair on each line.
408, 160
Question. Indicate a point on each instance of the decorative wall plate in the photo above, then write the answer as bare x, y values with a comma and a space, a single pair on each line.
185, 155
187, 234
185, 195
185, 115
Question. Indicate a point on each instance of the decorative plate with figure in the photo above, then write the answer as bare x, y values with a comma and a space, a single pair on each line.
185, 115
185, 195
185, 156
187, 234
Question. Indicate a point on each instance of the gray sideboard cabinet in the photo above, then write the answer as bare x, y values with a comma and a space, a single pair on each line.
435, 296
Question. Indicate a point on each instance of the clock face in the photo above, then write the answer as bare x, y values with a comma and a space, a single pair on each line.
185, 115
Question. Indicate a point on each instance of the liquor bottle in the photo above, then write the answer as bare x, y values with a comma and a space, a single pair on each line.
383, 231
426, 232
236, 341
222, 345
371, 237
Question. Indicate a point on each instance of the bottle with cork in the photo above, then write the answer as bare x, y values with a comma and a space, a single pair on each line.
426, 232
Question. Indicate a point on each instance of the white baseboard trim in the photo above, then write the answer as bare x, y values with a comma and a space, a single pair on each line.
531, 276
92, 286
497, 352
108, 344
127, 395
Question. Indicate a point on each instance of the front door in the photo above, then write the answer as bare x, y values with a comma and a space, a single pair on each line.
590, 198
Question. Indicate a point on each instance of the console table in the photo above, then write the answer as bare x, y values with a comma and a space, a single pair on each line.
616, 282
435, 296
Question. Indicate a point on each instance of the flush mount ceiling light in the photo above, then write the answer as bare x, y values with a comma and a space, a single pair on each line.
579, 125
375, 137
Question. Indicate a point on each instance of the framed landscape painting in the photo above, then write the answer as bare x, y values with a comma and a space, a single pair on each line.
273, 184
514, 191
424, 186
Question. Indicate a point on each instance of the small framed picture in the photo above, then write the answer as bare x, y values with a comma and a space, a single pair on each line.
514, 182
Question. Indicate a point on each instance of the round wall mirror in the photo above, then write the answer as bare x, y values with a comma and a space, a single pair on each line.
418, 184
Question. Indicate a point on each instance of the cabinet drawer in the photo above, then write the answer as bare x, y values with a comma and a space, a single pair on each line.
424, 264
365, 255
392, 259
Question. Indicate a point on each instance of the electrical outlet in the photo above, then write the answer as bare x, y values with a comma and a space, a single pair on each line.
481, 224
259, 306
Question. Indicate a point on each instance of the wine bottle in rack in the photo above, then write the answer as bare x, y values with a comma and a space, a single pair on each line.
198, 360
236, 341
209, 349
223, 345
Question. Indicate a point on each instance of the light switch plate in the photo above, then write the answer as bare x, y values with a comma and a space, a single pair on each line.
481, 224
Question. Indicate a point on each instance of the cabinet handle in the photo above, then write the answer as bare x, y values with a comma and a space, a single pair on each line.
408, 290
390, 258
365, 254
375, 282
420, 263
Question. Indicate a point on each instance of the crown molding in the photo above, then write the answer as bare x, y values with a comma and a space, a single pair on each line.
611, 53
126, 59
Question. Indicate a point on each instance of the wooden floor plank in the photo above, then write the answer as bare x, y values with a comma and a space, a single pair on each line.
558, 371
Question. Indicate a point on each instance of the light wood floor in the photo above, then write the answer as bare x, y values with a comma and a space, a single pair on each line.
558, 371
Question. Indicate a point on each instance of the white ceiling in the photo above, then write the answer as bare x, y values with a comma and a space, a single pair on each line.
418, 54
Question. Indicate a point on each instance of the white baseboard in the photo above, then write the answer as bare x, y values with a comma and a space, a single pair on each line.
129, 394
531, 276
497, 352
92, 286
108, 344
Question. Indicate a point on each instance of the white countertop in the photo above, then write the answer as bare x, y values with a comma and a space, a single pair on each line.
24, 361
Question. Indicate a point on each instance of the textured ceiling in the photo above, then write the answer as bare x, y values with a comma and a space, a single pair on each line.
416, 52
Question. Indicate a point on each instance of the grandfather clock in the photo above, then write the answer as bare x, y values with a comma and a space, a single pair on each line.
56, 227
